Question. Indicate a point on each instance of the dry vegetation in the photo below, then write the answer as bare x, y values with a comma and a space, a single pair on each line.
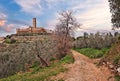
20, 56
97, 41
112, 58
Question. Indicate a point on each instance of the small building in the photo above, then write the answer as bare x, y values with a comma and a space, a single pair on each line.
33, 29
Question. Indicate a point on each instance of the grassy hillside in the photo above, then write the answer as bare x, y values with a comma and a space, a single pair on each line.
14, 56
41, 74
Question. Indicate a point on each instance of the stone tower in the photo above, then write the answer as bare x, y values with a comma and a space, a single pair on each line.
34, 22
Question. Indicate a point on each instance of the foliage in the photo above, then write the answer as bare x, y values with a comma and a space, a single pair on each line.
35, 64
117, 78
20, 56
43, 47
116, 60
113, 54
61, 80
10, 41
115, 10
42, 74
67, 59
97, 40
91, 52
14, 58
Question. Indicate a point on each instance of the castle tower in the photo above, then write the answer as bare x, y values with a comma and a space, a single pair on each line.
34, 22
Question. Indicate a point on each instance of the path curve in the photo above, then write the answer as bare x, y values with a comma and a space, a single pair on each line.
83, 69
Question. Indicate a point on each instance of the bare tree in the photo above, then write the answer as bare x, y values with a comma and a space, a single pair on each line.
64, 29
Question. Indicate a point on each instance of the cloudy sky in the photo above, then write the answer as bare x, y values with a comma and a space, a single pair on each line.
94, 15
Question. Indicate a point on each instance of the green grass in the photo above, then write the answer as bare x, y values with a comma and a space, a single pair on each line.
116, 60
42, 74
10, 41
67, 59
92, 53
117, 78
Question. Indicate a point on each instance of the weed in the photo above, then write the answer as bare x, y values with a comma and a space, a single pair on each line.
52, 59
117, 78
116, 59
91, 52
67, 59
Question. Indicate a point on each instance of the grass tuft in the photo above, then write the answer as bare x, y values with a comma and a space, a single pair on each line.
92, 53
117, 78
67, 59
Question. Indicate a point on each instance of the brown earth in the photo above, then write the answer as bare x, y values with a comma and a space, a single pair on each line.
84, 69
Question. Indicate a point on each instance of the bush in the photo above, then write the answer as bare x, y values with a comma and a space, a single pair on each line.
10, 41
52, 59
67, 59
98, 40
116, 59
117, 78
20, 56
91, 52
14, 59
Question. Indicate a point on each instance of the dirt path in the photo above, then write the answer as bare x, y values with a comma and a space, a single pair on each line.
83, 69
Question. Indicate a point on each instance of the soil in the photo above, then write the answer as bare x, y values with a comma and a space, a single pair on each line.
84, 69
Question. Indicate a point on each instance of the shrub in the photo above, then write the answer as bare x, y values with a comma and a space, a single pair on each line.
67, 59
20, 56
10, 41
116, 59
117, 78
14, 58
52, 59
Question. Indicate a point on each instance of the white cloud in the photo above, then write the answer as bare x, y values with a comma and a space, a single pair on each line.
10, 28
3, 16
93, 14
96, 16
52, 1
52, 23
30, 6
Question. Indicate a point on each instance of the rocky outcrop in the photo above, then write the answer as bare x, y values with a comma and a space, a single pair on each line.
114, 68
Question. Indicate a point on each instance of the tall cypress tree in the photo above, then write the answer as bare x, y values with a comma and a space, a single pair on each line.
115, 10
